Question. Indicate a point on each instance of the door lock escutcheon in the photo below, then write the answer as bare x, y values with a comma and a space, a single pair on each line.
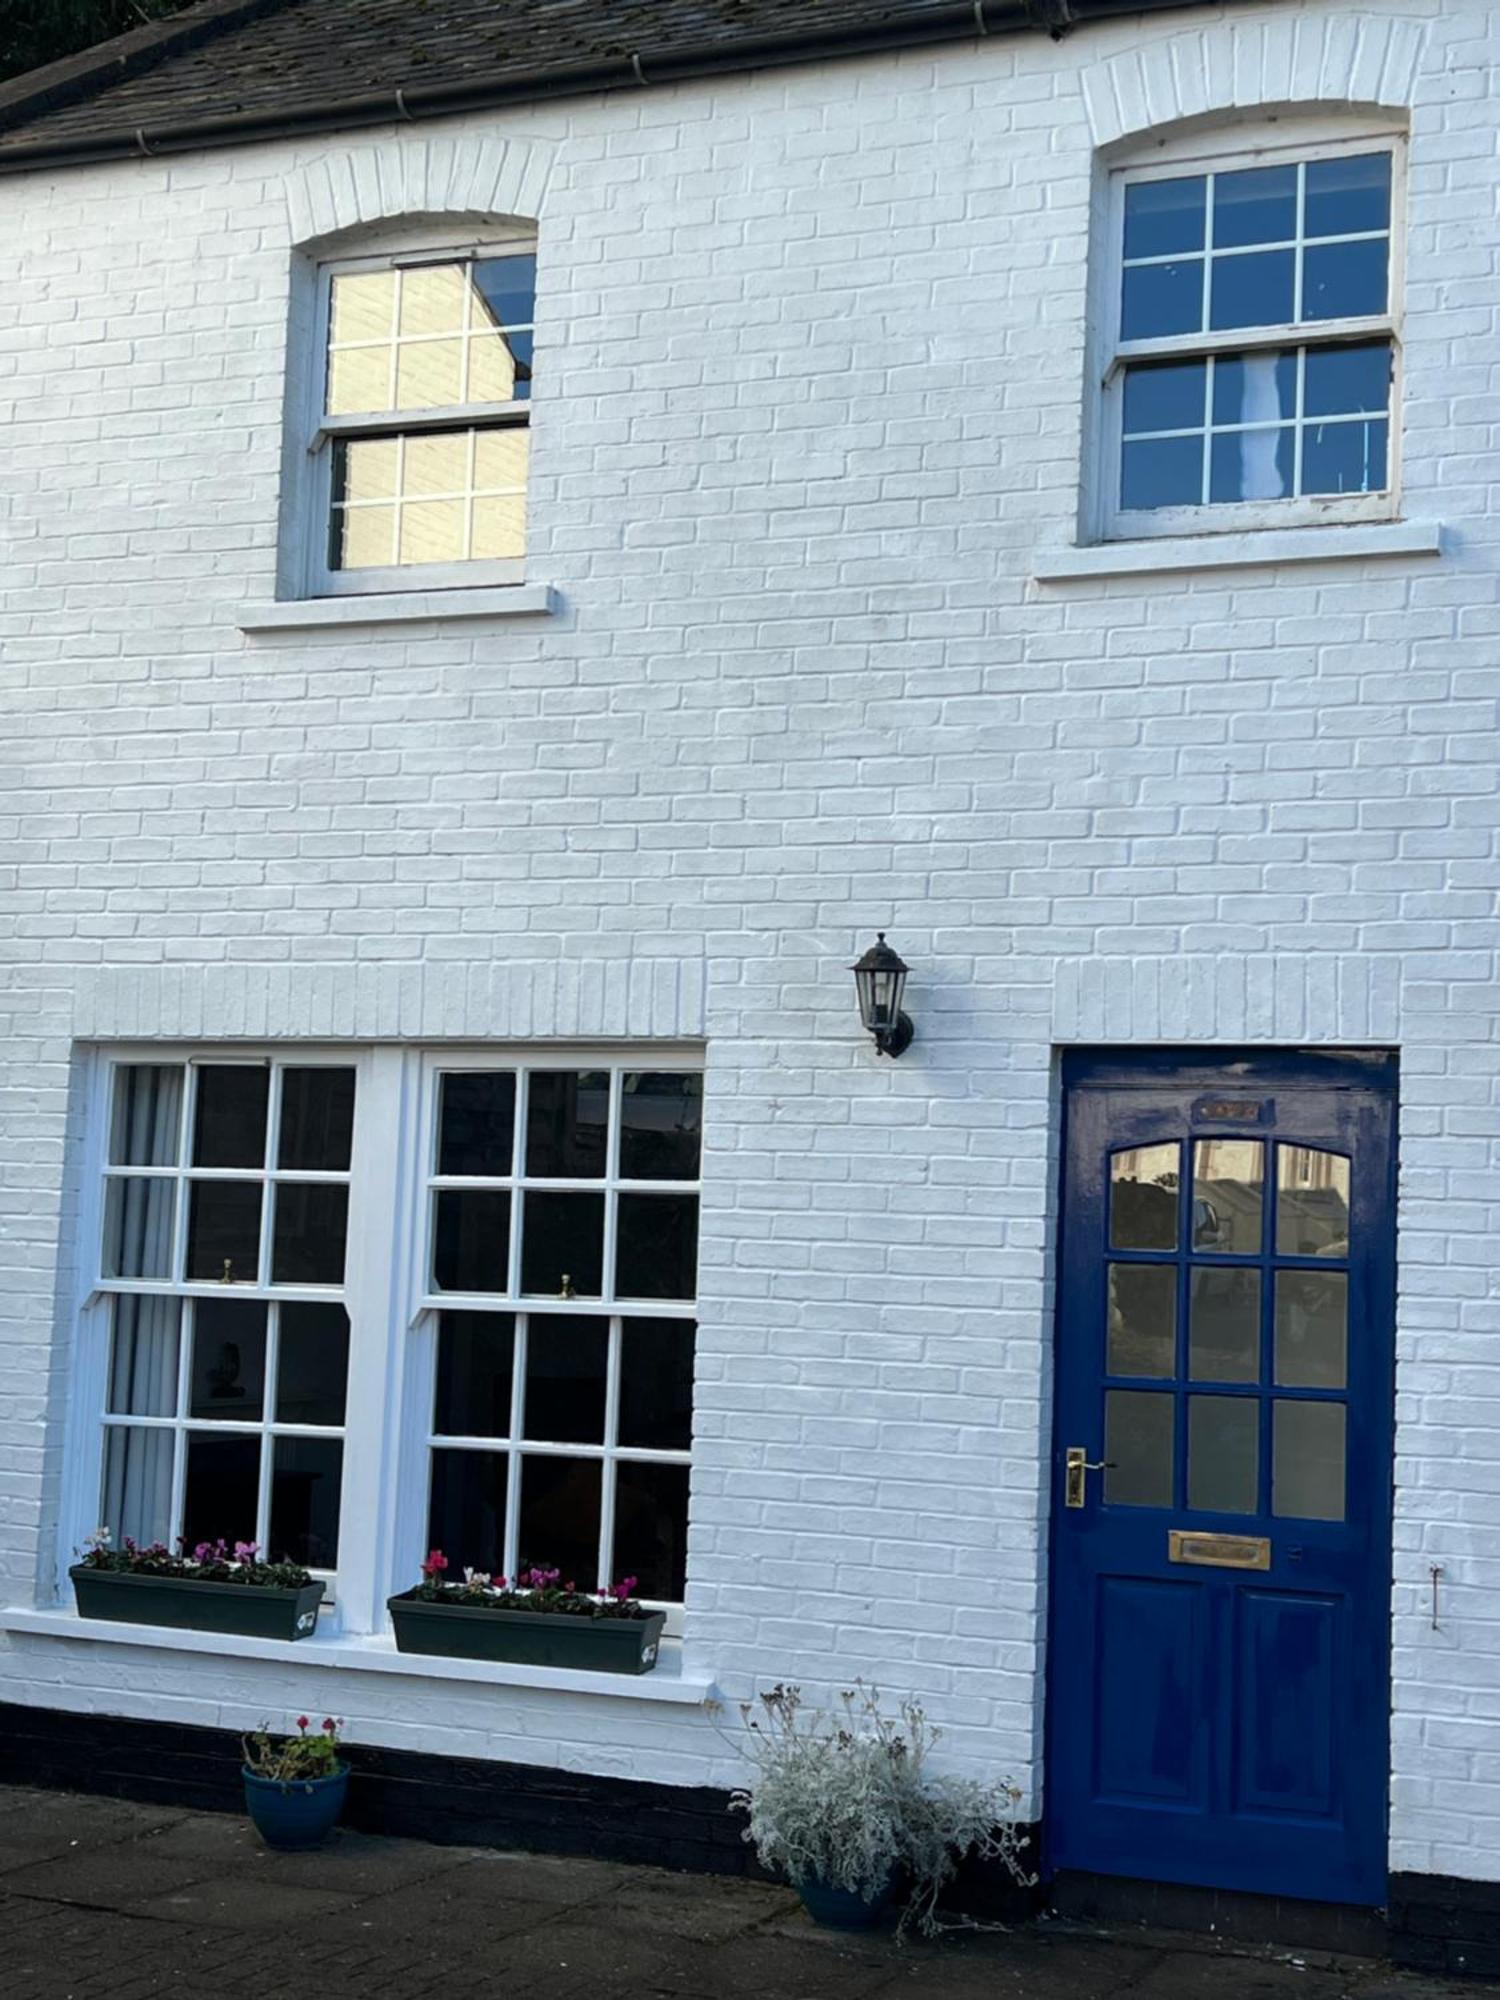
1079, 1465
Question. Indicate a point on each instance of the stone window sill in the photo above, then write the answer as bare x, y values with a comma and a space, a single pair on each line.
407, 607
667, 1683
1251, 548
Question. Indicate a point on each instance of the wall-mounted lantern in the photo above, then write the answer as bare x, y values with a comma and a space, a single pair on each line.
880, 981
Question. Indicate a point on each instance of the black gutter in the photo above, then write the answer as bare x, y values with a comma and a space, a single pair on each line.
970, 21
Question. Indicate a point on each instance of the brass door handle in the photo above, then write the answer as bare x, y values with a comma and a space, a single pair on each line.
1079, 1464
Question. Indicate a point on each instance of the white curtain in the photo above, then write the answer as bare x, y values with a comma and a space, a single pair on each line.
147, 1120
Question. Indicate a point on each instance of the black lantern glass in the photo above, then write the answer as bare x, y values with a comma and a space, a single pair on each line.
880, 981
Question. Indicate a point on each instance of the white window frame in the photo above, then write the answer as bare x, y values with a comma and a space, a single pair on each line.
311, 521
426, 1303
1284, 143
387, 1429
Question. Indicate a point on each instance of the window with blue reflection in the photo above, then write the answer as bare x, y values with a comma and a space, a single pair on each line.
1160, 299
1164, 217
1347, 379
1255, 388
1165, 396
1346, 197
1259, 206
1161, 472
1253, 464
1254, 289
1344, 280
1344, 457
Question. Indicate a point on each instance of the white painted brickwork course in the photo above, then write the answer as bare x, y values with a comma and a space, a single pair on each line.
808, 413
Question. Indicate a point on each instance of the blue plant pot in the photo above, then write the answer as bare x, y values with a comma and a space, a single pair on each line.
295, 1816
841, 1909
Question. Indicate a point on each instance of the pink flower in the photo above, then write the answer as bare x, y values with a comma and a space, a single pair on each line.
302, 1722
435, 1564
329, 1725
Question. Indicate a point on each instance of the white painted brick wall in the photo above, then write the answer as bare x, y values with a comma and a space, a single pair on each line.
811, 350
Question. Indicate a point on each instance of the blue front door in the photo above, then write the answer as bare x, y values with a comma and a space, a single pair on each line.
1219, 1679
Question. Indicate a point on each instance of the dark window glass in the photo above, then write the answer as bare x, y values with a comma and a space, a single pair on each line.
656, 1251
562, 1238
1342, 280
222, 1488
136, 1495
229, 1128
317, 1119
567, 1119
507, 285
1257, 206
305, 1478
651, 1510
1163, 217
143, 1354
1162, 298
144, 1130
466, 1519
229, 1359
1223, 1453
471, 1240
1165, 396
1162, 472
1348, 378
477, 1123
138, 1225
566, 1360
1254, 289
1255, 388
656, 1384
224, 1231
312, 1220
560, 1499
312, 1363
1346, 197
476, 1355
1344, 458
1252, 465
661, 1126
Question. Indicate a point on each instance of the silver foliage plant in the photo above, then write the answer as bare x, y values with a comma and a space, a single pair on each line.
844, 1798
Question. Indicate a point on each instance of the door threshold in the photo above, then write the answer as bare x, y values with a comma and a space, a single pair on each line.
1348, 1929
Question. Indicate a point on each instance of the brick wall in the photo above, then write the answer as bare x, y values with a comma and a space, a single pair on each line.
811, 354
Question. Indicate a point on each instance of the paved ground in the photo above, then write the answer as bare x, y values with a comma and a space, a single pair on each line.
106, 1901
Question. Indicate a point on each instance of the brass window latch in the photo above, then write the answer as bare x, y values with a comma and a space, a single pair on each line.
1079, 1465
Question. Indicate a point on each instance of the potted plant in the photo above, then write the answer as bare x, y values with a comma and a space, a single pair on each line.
295, 1785
216, 1588
535, 1619
844, 1806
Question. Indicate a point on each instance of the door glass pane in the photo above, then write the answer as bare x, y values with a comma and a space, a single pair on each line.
306, 1474
661, 1121
651, 1507
224, 1231
1223, 1454
656, 1383
656, 1254
1142, 1319
566, 1359
1224, 1326
1307, 1461
143, 1356
312, 1363
560, 1500
562, 1245
138, 1218
476, 1126
1228, 1182
317, 1119
147, 1115
136, 1497
1138, 1448
1312, 1314
1143, 1185
567, 1116
229, 1360
476, 1352
223, 1480
229, 1127
1312, 1202
471, 1240
307, 1247
466, 1517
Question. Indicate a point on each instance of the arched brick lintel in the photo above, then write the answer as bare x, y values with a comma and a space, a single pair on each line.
366, 185
1231, 67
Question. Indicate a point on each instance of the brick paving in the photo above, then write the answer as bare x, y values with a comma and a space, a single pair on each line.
104, 1900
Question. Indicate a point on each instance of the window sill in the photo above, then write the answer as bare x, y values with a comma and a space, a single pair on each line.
1247, 549
406, 607
667, 1683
